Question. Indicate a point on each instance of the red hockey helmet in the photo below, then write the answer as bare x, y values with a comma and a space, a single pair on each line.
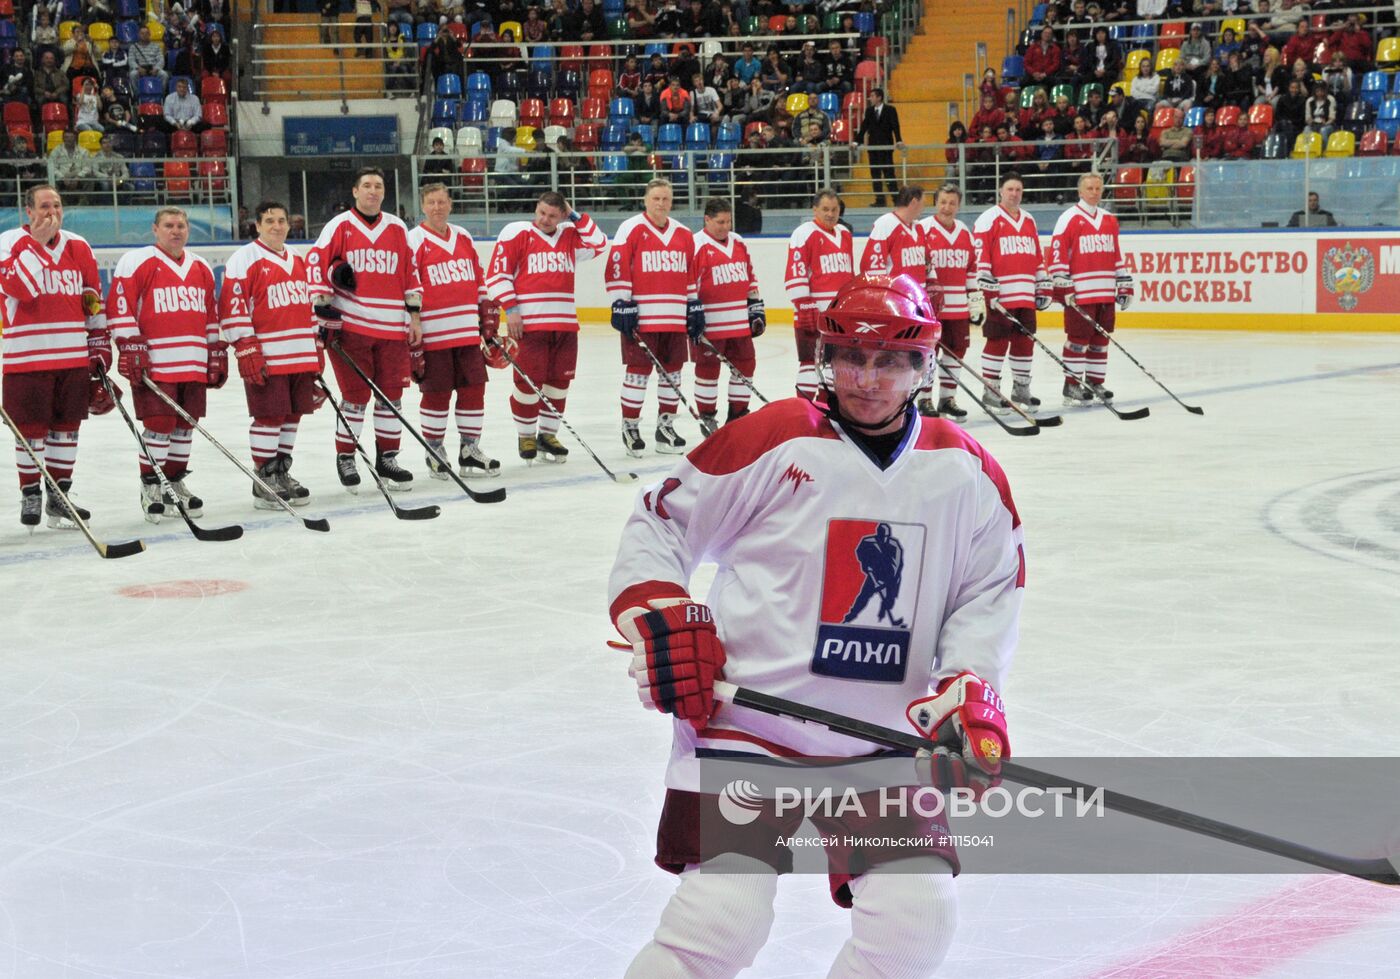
493, 355
882, 312
99, 401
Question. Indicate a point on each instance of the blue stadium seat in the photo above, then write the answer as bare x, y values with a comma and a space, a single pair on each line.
645, 130
1195, 116
1144, 36
697, 136
719, 165
150, 89
865, 23
669, 137
622, 108
512, 84
1395, 89
1388, 121
127, 31
129, 9
493, 137
8, 32
445, 112
1013, 69
613, 166
655, 48
155, 143
828, 102
143, 177
1373, 85
566, 83
540, 83
614, 135
476, 109
1038, 13
72, 10
613, 8
427, 34
731, 134
479, 83
449, 86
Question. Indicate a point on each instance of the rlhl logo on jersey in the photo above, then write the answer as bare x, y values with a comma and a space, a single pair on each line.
835, 262
283, 294
949, 258
379, 260
453, 270
542, 263
722, 275
798, 477
668, 261
869, 595
178, 299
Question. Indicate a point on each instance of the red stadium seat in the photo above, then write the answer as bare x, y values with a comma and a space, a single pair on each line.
853, 107
532, 113
149, 110
571, 57
588, 137
1165, 117
28, 133
1373, 143
777, 23
213, 142
474, 171
177, 179
751, 128
1186, 183
561, 112
600, 56
1172, 35
213, 89
595, 109
184, 143
216, 114
461, 31
841, 131
1127, 186
1228, 115
600, 83
213, 177
867, 71
1261, 120
17, 114
7, 8
54, 115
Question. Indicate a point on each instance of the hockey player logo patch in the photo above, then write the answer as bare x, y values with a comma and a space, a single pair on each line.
869, 594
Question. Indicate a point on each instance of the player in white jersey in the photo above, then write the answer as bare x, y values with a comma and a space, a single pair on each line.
811, 511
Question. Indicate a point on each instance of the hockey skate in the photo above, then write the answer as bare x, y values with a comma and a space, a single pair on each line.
709, 424
1076, 395
529, 447
735, 413
57, 512
926, 408
948, 408
632, 439
1021, 394
993, 401
297, 494
31, 505
437, 470
395, 476
668, 442
471, 461
152, 501
553, 450
1100, 390
345, 469
194, 506
264, 500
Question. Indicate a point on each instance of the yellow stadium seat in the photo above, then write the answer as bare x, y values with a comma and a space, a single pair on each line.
525, 137
516, 31
100, 32
65, 30
1341, 143
1235, 24
92, 141
157, 29
54, 139
1157, 188
1119, 87
797, 104
1166, 58
1130, 66
1308, 144
1388, 54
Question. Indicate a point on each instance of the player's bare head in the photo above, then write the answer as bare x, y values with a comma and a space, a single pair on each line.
719, 218
1091, 189
42, 200
658, 199
550, 211
436, 202
909, 202
947, 201
368, 190
172, 229
826, 208
272, 224
1012, 188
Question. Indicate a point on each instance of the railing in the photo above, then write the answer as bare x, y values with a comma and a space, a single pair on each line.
273, 63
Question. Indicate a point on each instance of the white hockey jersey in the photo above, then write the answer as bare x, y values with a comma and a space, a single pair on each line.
840, 585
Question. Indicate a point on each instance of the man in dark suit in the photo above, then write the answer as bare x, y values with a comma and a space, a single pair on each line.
879, 132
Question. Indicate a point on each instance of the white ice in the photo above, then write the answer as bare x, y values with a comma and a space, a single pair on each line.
403, 749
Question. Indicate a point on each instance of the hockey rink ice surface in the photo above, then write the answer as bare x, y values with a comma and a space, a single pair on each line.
403, 750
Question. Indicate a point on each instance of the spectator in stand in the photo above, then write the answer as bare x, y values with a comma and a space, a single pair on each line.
509, 158
1042, 59
1302, 46
1314, 217
1105, 59
1145, 88
1179, 92
1354, 44
1283, 21
1028, 120
1135, 146
1010, 109
182, 111
217, 57
1210, 139
116, 117
1320, 111
82, 60
445, 56
1195, 52
437, 162
1079, 145
1078, 21
588, 22
1049, 149
1210, 90
1109, 125
647, 105
1229, 44
809, 76
656, 73
761, 103
1238, 141
880, 134
733, 98
401, 12
1093, 109
1291, 112
718, 73
115, 64
1339, 79
50, 83
989, 114
705, 103
1176, 142
749, 66
675, 102
957, 140
1074, 60
147, 59
45, 35
685, 65
213, 12
297, 230
1011, 149
702, 21
811, 128
109, 170
1063, 114
87, 109
989, 85
401, 61
640, 20
776, 74
1270, 79
95, 10
1239, 83
23, 166
840, 74
534, 29
16, 79
69, 167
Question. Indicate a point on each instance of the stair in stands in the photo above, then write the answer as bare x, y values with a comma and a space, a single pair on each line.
314, 72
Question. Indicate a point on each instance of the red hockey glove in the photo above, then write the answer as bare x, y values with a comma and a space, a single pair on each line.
133, 358
99, 351
489, 316
805, 314
967, 723
1063, 287
417, 363
676, 658
252, 366
218, 364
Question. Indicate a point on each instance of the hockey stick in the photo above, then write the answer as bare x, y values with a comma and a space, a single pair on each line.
1049, 421
664, 375
319, 523
615, 477
123, 549
1127, 416
232, 532
1194, 409
733, 371
1378, 870
403, 513
477, 496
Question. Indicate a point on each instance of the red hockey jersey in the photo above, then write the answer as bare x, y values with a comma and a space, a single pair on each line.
725, 277
450, 272
952, 267
1085, 247
265, 294
534, 272
656, 267
384, 273
895, 248
171, 304
819, 263
45, 326
1009, 248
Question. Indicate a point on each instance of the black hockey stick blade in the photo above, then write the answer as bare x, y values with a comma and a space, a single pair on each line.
1049, 421
416, 513
1127, 416
124, 548
1378, 870
316, 523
